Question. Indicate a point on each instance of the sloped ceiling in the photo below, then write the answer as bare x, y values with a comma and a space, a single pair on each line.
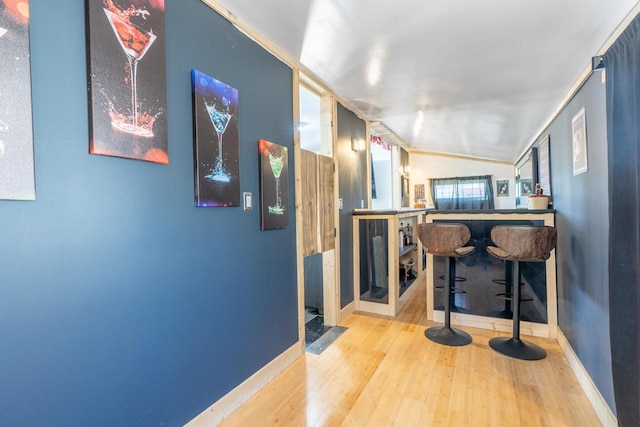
464, 77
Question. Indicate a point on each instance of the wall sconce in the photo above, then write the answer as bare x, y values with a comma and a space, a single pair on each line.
406, 169
357, 144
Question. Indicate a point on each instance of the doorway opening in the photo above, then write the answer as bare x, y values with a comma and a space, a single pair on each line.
318, 211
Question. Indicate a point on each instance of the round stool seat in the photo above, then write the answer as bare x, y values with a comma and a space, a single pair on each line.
524, 243
445, 239
520, 243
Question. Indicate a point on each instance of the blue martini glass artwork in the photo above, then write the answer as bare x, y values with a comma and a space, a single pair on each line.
220, 117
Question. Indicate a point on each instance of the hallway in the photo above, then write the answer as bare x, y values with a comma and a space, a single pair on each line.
384, 372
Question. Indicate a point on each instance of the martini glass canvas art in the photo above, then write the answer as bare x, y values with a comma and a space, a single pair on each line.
127, 79
219, 119
274, 168
135, 42
17, 169
215, 121
276, 162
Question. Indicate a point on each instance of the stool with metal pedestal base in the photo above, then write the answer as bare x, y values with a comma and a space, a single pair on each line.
520, 243
452, 295
507, 295
447, 240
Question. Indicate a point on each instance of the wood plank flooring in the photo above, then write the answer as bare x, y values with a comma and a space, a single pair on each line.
384, 372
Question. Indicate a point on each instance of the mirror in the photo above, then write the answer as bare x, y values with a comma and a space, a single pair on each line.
526, 177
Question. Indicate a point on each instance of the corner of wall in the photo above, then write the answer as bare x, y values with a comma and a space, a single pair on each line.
222, 408
604, 412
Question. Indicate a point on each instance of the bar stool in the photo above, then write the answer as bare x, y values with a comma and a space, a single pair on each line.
453, 292
520, 243
447, 240
507, 295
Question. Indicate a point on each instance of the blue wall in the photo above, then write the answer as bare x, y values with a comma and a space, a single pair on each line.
582, 220
120, 302
352, 182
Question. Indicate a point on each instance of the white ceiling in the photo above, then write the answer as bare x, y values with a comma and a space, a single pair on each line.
466, 77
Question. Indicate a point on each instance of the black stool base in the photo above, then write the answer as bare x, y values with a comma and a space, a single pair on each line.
517, 349
448, 336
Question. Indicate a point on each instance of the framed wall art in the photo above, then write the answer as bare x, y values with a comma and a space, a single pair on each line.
127, 79
502, 188
579, 133
17, 174
526, 187
274, 188
216, 149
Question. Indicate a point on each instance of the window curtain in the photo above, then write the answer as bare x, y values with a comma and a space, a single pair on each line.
622, 64
468, 192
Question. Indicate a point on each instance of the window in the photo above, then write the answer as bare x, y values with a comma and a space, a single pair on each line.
472, 192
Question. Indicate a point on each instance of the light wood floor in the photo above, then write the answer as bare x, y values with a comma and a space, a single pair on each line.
384, 372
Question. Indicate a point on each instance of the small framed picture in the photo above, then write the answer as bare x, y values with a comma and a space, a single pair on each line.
579, 132
502, 188
526, 187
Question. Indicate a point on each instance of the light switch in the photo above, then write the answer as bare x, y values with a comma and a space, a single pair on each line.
247, 201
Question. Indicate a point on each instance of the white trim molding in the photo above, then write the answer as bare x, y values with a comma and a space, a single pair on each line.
605, 414
221, 409
346, 312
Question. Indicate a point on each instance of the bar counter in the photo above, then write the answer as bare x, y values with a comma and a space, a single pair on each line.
480, 275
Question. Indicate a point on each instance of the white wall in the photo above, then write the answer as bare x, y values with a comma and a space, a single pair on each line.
425, 166
382, 170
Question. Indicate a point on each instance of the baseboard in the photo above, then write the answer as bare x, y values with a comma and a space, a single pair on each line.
495, 324
606, 416
221, 409
345, 312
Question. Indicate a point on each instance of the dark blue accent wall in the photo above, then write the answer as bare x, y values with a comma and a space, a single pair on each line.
313, 282
120, 302
582, 220
352, 182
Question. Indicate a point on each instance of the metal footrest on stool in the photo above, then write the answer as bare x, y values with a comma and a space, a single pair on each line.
458, 278
509, 297
453, 290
